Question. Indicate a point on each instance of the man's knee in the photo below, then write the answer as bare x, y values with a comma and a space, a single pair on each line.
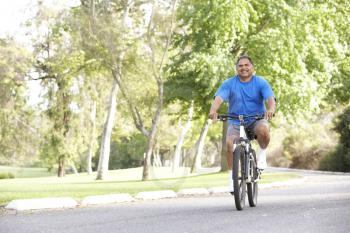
263, 135
262, 130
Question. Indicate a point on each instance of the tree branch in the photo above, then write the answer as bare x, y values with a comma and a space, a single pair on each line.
136, 116
167, 43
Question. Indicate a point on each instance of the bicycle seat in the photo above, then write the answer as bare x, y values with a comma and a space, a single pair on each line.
250, 135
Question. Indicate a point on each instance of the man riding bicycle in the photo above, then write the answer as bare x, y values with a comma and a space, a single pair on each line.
246, 94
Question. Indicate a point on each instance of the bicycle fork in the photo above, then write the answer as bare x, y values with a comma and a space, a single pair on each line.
249, 165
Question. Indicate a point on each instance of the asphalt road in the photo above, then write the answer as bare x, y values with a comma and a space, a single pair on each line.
321, 205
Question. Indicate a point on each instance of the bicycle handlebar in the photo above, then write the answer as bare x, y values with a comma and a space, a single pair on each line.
240, 117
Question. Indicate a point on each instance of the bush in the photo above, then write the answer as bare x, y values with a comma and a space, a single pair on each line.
305, 147
339, 159
127, 152
6, 175
343, 128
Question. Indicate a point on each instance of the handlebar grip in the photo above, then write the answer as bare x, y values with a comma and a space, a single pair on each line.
222, 118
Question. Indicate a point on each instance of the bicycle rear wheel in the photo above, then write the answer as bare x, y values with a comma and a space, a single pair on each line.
252, 187
239, 182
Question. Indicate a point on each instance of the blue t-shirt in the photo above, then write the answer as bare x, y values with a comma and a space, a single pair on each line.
245, 98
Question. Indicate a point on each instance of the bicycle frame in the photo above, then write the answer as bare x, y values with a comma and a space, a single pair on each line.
245, 173
245, 143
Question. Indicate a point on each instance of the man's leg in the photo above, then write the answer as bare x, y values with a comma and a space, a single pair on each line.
231, 137
262, 133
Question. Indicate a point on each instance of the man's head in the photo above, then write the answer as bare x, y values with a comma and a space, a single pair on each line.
244, 67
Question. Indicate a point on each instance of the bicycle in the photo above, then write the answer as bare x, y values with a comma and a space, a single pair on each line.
245, 173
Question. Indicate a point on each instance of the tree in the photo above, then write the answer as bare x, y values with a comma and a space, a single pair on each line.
157, 42
197, 161
340, 81
295, 46
105, 23
58, 64
158, 74
205, 41
339, 159
181, 138
17, 131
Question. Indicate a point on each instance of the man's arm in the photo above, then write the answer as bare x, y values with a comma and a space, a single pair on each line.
271, 108
214, 108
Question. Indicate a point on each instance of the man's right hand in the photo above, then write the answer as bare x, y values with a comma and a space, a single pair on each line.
214, 107
213, 115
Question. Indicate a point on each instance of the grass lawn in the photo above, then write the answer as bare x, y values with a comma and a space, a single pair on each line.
21, 172
81, 185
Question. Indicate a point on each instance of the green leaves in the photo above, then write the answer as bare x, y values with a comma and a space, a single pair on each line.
296, 47
339, 159
211, 25
16, 130
301, 48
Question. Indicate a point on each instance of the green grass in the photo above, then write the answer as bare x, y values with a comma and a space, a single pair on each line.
119, 181
20, 172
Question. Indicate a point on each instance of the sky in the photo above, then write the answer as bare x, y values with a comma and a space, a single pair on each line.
13, 14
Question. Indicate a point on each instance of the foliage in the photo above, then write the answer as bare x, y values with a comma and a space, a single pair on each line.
127, 152
26, 172
343, 127
307, 142
58, 64
336, 160
339, 159
204, 42
300, 48
17, 130
6, 175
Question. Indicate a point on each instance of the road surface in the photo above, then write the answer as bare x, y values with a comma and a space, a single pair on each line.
319, 205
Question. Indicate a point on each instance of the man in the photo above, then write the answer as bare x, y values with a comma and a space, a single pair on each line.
246, 94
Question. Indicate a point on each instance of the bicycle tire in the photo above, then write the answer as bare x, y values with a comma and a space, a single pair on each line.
252, 187
238, 177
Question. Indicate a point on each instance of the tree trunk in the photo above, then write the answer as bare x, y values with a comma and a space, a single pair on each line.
92, 139
224, 166
152, 134
157, 74
197, 161
183, 157
62, 125
116, 69
157, 162
180, 141
61, 165
74, 168
102, 169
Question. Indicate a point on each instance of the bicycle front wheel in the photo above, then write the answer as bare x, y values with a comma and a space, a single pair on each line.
238, 177
252, 187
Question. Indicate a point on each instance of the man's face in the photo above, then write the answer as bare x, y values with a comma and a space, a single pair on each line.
244, 68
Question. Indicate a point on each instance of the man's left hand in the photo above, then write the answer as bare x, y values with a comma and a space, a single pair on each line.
269, 114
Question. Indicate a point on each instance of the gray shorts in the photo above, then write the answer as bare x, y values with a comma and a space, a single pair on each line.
233, 130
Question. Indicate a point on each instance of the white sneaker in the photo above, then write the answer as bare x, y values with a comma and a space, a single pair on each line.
230, 182
262, 159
